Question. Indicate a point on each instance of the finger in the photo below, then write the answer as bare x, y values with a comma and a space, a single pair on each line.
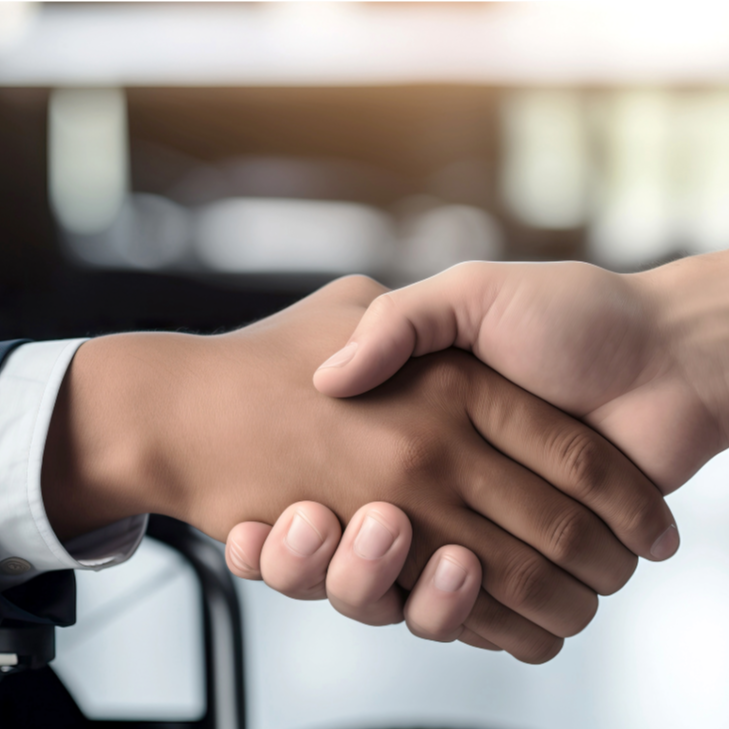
297, 551
361, 579
565, 532
523, 580
428, 316
575, 459
514, 574
473, 639
492, 622
444, 595
243, 549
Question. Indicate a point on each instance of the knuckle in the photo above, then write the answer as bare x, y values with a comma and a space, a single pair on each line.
468, 273
583, 457
417, 452
383, 306
570, 536
528, 585
385, 300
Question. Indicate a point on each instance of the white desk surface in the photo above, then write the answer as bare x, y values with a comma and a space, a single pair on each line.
283, 44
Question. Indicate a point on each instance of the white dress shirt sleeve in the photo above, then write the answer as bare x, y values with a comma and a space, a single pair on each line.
30, 379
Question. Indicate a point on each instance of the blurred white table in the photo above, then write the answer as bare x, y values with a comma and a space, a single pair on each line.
289, 44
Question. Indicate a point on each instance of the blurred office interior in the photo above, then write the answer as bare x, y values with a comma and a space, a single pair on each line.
197, 166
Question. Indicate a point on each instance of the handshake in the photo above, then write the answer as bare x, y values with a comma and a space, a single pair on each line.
496, 441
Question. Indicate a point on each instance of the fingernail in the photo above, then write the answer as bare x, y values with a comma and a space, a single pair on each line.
373, 540
341, 358
666, 545
302, 538
449, 576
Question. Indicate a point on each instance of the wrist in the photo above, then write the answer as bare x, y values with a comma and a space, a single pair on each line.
101, 458
690, 300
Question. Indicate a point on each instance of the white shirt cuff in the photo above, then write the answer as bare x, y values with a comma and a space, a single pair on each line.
30, 380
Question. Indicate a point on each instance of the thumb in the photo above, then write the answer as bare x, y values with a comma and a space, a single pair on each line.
428, 316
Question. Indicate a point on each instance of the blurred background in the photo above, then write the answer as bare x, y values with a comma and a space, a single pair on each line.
198, 166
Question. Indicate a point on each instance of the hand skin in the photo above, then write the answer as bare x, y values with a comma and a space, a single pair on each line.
356, 582
220, 430
643, 358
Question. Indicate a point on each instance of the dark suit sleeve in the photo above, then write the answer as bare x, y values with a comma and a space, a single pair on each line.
48, 599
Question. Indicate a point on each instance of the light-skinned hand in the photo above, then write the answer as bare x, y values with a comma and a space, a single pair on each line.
643, 358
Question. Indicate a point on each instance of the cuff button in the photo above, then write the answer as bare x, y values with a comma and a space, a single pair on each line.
13, 566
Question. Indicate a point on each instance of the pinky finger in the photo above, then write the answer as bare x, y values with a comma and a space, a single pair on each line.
243, 549
474, 639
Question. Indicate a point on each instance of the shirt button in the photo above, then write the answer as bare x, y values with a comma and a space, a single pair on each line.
13, 566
